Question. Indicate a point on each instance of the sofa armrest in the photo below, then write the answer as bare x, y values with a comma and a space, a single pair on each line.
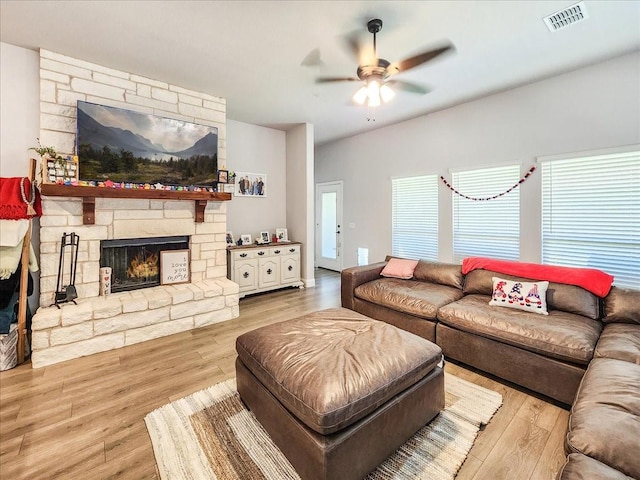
354, 276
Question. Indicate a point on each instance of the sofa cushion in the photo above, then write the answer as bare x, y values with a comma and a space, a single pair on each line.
560, 335
605, 418
622, 306
526, 296
567, 298
399, 268
408, 296
581, 467
620, 341
440, 273
333, 367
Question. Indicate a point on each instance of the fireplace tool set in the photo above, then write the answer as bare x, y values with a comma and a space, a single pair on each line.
66, 291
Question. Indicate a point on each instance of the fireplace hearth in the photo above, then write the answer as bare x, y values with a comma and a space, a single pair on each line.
135, 262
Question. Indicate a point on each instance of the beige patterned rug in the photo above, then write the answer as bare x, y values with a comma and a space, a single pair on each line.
210, 435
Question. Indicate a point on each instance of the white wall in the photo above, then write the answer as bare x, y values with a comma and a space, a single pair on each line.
300, 191
19, 108
591, 108
254, 149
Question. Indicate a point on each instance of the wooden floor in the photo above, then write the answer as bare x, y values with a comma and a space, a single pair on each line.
83, 419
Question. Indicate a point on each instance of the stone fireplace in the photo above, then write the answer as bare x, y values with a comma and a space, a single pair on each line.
100, 323
135, 263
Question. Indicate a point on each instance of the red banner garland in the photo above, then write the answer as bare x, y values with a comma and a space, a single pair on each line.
484, 199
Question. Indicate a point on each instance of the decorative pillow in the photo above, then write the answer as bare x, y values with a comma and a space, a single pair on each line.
399, 268
527, 296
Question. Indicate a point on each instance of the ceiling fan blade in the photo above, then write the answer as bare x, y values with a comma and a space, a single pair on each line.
313, 59
337, 79
360, 51
351, 43
409, 63
408, 86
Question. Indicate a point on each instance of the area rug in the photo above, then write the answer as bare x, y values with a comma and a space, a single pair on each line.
211, 435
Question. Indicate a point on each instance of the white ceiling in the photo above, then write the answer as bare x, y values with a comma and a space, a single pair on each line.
250, 52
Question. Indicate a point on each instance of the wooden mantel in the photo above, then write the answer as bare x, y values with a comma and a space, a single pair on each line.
89, 195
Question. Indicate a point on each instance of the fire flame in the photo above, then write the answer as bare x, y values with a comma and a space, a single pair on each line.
143, 267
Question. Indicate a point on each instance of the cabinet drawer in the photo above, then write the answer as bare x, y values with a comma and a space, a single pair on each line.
277, 251
243, 254
291, 250
261, 253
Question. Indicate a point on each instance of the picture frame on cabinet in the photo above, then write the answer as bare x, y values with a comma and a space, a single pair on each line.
282, 235
230, 239
246, 239
264, 237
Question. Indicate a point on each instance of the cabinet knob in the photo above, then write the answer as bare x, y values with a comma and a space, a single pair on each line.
245, 274
243, 255
292, 250
290, 268
269, 271
276, 251
260, 253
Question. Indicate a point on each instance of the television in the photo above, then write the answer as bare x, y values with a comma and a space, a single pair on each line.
125, 146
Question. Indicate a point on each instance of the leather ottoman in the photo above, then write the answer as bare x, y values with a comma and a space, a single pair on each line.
339, 392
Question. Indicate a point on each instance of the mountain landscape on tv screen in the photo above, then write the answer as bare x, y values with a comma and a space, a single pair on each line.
122, 155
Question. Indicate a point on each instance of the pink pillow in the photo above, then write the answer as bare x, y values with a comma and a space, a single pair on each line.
399, 268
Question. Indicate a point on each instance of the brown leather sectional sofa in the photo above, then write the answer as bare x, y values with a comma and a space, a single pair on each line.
587, 349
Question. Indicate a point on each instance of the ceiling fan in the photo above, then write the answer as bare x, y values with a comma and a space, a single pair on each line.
376, 72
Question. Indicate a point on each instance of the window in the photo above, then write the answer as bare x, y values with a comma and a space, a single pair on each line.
489, 228
591, 214
414, 223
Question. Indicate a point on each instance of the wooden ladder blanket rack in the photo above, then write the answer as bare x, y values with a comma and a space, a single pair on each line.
24, 281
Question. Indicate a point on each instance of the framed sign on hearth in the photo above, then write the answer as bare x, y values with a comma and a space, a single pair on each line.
174, 267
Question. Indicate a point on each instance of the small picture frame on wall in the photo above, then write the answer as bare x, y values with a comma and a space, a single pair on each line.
264, 237
230, 240
246, 239
282, 235
250, 185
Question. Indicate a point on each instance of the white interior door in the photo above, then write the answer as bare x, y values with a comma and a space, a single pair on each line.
329, 225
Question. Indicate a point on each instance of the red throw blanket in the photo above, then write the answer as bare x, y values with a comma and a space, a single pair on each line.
12, 206
594, 281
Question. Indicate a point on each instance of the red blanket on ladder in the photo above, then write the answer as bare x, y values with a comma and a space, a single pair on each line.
12, 204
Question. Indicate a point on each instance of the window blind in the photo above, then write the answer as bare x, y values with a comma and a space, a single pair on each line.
414, 224
488, 228
591, 214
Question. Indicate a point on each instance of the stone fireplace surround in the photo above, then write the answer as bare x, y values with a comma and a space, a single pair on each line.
100, 323
97, 323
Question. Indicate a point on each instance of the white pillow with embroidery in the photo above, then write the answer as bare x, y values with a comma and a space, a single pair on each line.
527, 296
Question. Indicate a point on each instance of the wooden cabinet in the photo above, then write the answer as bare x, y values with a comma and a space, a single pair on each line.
260, 268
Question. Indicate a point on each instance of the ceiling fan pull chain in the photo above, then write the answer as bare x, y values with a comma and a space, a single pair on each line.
371, 114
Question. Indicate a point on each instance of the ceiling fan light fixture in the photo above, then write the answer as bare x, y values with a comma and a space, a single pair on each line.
374, 101
386, 93
361, 95
373, 86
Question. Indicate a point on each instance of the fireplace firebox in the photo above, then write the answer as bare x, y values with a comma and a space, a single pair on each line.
135, 262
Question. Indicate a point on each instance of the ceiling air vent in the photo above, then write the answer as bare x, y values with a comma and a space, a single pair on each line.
563, 18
